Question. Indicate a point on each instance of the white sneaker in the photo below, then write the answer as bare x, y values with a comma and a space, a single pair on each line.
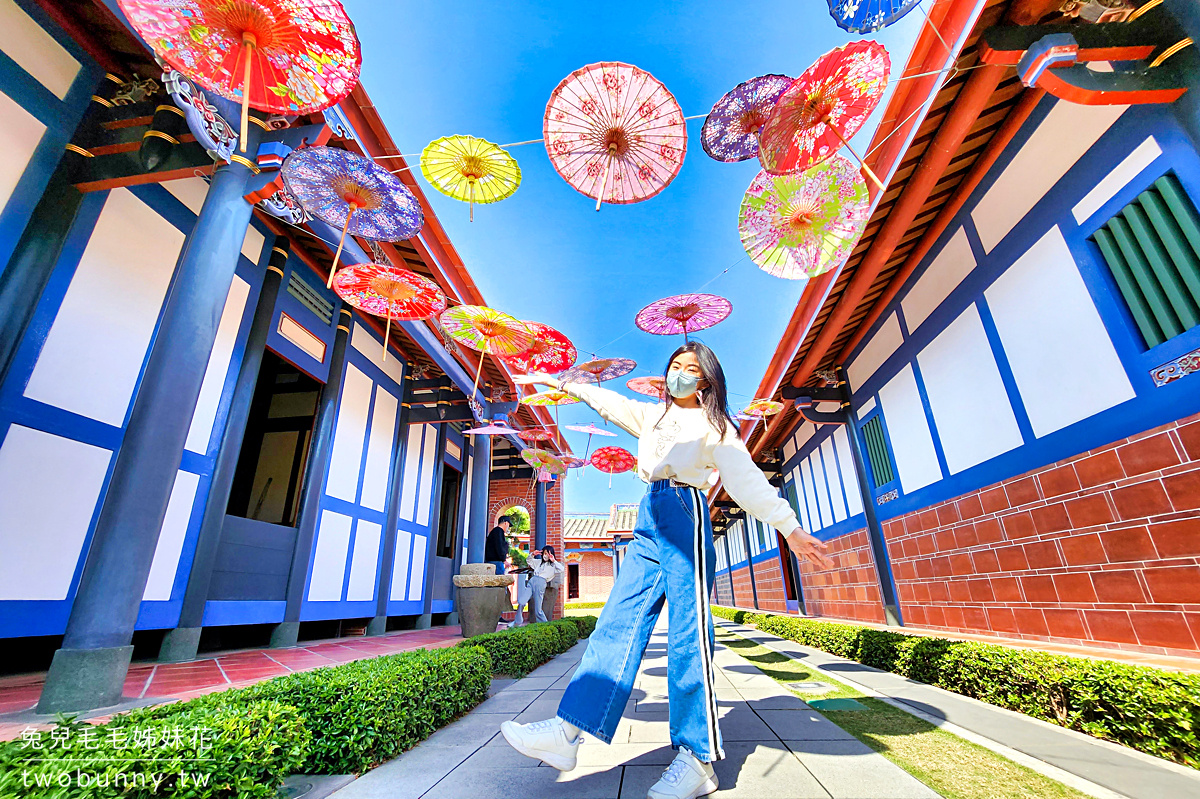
543, 740
685, 778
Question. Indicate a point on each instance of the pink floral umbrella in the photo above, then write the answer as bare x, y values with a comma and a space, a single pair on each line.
652, 386
600, 369
591, 430
491, 429
614, 133
613, 460
536, 434
550, 351
683, 313
761, 408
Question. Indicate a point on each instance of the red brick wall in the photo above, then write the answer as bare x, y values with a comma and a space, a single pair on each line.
1102, 548
850, 590
503, 494
768, 578
595, 576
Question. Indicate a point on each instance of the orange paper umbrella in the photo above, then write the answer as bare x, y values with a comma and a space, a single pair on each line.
819, 113
762, 408
550, 351
614, 133
487, 330
536, 434
384, 290
289, 57
650, 386
613, 460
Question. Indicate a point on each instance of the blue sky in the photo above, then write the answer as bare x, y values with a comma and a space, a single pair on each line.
487, 69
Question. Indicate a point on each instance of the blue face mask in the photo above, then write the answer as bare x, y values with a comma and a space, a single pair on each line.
681, 384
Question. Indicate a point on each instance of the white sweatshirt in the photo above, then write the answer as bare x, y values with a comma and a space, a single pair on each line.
684, 447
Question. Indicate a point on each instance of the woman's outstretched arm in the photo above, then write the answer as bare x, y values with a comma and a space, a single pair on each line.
628, 414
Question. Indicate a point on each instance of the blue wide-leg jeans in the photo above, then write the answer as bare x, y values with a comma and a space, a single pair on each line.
670, 559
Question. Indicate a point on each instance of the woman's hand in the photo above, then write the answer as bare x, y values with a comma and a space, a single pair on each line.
535, 379
806, 546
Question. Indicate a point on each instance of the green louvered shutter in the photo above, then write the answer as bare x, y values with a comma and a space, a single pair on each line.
877, 452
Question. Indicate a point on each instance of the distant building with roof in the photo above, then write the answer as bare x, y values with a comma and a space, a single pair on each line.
593, 544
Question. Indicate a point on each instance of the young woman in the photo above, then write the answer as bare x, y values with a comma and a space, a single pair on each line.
680, 444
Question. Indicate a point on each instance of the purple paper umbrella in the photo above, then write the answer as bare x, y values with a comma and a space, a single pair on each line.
683, 313
730, 131
598, 370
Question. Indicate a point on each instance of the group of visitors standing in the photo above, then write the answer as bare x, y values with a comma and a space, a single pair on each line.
543, 570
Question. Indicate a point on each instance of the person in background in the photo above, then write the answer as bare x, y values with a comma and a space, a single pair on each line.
546, 569
496, 548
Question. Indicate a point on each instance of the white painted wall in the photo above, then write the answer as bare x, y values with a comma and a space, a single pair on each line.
35, 50
51, 485
217, 370
912, 443
412, 462
379, 450
171, 536
364, 562
345, 460
20, 134
416, 575
970, 405
841, 442
430, 463
834, 478
329, 559
362, 340
1142, 156
94, 352
1061, 355
945, 272
879, 348
400, 565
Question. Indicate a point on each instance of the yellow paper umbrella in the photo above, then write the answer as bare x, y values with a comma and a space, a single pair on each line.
470, 169
487, 330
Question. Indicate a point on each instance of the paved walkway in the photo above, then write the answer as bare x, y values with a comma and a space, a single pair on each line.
776, 748
1119, 769
221, 671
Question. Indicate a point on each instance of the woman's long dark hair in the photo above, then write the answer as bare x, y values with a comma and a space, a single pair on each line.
714, 398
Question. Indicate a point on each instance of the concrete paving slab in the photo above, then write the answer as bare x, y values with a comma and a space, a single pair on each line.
750, 770
471, 731
769, 699
532, 683
593, 753
408, 776
803, 725
851, 768
528, 783
508, 702
498, 754
537, 710
743, 724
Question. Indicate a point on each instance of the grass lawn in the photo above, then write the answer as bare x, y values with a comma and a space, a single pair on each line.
952, 766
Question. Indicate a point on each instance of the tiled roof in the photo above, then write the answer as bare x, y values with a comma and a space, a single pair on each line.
586, 526
622, 518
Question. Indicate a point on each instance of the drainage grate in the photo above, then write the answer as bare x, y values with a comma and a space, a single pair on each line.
810, 687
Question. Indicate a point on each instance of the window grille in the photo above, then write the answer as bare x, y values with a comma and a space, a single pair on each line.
877, 452
310, 298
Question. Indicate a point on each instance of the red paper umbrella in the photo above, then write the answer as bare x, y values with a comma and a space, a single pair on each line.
683, 313
289, 57
384, 290
599, 370
536, 434
550, 351
613, 460
650, 386
824, 108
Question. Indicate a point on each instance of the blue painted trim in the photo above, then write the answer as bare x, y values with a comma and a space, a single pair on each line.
325, 611
405, 607
222, 613
1005, 368
300, 313
441, 606
929, 420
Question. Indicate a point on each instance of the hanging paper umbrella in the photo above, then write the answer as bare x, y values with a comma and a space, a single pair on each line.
824, 108
868, 16
762, 408
487, 330
491, 429
599, 370
683, 313
614, 133
289, 57
384, 290
550, 351
545, 460
575, 463
470, 169
613, 460
348, 191
536, 434
650, 386
801, 225
731, 129
551, 398
591, 430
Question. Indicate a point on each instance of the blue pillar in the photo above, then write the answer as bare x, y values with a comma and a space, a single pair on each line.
539, 520
481, 469
182, 642
749, 556
287, 632
89, 670
391, 517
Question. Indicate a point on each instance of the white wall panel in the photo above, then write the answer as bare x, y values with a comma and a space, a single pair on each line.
820, 486
879, 348
412, 463
349, 435
867, 406
400, 565
329, 560
20, 134
94, 352
1061, 355
912, 443
1067, 132
35, 50
51, 485
252, 244
379, 450
945, 272
170, 537
364, 562
1142, 156
789, 448
189, 191
834, 477
801, 505
810, 494
803, 433
218, 367
362, 340
841, 441
970, 405
430, 463
416, 575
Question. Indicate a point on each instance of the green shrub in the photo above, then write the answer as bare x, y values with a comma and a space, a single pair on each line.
568, 633
586, 624
520, 650
1151, 710
233, 751
584, 605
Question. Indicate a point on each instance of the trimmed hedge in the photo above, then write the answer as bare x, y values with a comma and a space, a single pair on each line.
1154, 711
520, 650
586, 625
584, 605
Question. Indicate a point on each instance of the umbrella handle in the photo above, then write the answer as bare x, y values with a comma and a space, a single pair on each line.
388, 332
478, 372
871, 174
471, 186
603, 186
341, 243
249, 41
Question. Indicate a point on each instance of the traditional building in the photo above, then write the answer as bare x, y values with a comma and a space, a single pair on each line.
992, 406
201, 447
